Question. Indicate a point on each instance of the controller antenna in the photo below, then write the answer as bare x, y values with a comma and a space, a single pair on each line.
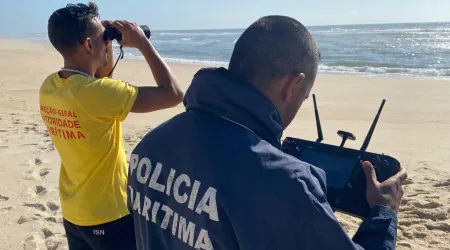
319, 127
372, 128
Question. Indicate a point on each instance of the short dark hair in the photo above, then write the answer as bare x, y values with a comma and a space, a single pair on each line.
272, 47
70, 26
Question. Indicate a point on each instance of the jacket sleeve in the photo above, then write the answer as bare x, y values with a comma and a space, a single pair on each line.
378, 231
295, 214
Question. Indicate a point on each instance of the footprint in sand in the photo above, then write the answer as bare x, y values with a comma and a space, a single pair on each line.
31, 242
31, 175
44, 172
5, 209
408, 182
445, 227
51, 219
131, 138
428, 205
47, 233
431, 197
422, 208
52, 206
425, 163
53, 244
430, 214
28, 129
424, 212
443, 184
418, 192
40, 190
37, 161
46, 146
37, 206
3, 198
404, 245
44, 239
36, 174
31, 126
25, 219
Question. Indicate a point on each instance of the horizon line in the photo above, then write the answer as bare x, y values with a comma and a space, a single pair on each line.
242, 28
311, 26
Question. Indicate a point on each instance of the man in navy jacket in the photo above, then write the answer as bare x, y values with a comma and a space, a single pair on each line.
214, 177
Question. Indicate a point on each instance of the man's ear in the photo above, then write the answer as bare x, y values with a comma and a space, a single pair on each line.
88, 45
292, 84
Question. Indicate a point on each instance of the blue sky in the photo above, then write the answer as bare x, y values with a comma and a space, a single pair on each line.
30, 16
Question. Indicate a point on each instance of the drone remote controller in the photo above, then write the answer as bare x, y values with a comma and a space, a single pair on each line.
346, 181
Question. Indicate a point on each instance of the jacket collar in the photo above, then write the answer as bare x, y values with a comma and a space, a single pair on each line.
218, 91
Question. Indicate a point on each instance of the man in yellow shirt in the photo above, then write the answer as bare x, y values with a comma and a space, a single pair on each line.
83, 109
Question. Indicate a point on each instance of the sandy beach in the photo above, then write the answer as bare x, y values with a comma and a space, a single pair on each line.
413, 128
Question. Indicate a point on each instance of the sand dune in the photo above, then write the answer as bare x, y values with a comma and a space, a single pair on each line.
414, 127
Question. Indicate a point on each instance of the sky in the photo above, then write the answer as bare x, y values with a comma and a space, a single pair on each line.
19, 17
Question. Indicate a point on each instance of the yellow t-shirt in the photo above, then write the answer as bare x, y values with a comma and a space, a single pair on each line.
83, 117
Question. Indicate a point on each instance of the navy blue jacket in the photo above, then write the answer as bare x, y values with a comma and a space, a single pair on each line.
214, 177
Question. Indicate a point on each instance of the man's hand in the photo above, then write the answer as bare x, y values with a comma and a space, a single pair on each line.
132, 35
107, 22
167, 93
389, 192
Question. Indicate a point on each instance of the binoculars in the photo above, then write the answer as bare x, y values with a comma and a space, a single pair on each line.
112, 33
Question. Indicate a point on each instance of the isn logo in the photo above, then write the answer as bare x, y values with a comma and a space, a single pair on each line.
99, 232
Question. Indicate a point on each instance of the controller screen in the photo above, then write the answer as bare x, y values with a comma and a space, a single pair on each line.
337, 169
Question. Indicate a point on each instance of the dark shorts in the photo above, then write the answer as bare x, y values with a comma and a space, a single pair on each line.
118, 234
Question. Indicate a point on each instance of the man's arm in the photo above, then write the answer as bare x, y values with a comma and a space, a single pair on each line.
378, 231
167, 93
305, 222
293, 213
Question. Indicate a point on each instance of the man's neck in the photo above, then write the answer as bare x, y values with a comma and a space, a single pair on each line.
79, 66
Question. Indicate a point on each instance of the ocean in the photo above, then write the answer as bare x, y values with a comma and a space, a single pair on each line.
412, 49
